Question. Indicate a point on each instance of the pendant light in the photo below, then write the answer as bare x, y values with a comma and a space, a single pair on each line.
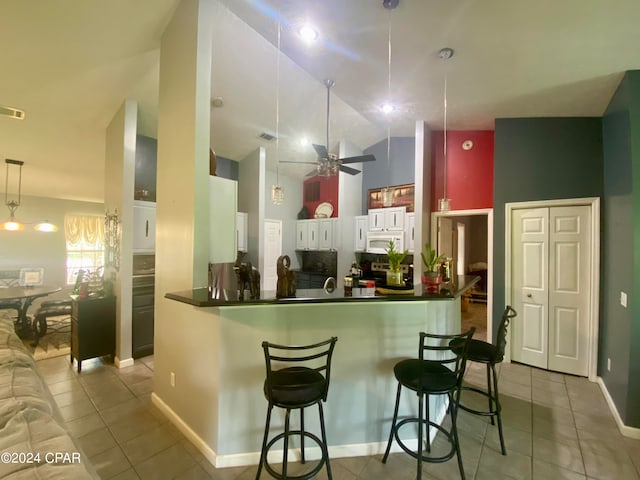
388, 191
12, 225
12, 204
277, 193
444, 203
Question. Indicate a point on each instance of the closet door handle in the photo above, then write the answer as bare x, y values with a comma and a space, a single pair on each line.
146, 229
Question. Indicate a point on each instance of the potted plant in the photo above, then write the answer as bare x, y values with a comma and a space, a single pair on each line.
394, 275
432, 262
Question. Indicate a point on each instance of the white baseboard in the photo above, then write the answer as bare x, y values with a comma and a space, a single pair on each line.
252, 458
631, 432
127, 362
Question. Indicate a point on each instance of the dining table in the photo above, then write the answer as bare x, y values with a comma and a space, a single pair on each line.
24, 297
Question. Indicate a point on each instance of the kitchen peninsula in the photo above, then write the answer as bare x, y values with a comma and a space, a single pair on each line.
215, 393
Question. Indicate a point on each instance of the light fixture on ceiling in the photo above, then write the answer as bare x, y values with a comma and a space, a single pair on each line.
388, 191
444, 203
277, 192
307, 33
11, 112
12, 201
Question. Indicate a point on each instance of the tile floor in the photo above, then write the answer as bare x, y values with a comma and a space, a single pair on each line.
556, 427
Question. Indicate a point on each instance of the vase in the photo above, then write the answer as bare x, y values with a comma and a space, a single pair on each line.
431, 279
394, 279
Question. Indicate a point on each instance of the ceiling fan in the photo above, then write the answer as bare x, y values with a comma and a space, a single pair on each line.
329, 164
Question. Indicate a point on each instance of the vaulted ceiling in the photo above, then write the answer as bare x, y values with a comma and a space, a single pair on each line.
70, 63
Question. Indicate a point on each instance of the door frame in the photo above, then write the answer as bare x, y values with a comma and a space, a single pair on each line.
594, 291
466, 213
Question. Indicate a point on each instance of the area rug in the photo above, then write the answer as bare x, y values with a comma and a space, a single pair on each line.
55, 343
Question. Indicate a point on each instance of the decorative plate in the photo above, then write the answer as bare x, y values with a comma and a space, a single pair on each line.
324, 210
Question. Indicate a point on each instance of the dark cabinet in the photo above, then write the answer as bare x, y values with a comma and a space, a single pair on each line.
142, 325
93, 328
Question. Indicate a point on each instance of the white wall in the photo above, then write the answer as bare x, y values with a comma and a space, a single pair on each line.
251, 188
119, 184
350, 205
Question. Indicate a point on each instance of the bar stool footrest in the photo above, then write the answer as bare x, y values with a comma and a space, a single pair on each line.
425, 458
484, 413
294, 433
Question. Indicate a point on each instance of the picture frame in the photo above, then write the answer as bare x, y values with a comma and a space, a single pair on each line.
403, 196
31, 277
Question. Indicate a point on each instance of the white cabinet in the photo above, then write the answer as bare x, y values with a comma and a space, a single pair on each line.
409, 232
325, 234
376, 219
144, 227
307, 235
317, 234
361, 223
242, 226
392, 218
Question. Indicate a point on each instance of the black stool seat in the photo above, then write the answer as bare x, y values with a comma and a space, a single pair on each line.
440, 375
489, 354
294, 387
425, 376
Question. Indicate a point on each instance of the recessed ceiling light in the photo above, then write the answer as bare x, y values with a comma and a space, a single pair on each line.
387, 108
308, 33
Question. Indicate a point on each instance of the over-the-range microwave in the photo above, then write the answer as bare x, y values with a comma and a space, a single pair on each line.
378, 242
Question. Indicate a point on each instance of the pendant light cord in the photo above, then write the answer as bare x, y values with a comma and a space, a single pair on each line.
278, 110
389, 99
444, 148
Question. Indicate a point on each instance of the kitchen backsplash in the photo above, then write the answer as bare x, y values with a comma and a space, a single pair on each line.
320, 262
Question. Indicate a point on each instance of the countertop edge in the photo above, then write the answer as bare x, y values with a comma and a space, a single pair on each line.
185, 297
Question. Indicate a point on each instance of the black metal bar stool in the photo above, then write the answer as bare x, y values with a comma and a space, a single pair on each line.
437, 371
297, 385
490, 355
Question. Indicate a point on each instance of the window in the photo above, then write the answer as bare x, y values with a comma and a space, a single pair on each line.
84, 236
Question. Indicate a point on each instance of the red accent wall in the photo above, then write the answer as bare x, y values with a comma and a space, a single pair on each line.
469, 172
328, 193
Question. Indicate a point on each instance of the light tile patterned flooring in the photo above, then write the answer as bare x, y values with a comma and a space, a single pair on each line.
556, 427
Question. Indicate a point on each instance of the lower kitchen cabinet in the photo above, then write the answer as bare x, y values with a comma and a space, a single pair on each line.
142, 326
93, 328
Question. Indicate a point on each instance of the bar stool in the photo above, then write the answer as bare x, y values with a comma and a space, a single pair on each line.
297, 385
440, 373
490, 355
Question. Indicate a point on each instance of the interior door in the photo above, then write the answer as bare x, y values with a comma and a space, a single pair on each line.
551, 264
272, 250
530, 250
569, 286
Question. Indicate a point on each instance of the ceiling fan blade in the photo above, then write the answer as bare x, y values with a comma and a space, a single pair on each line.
361, 158
349, 170
321, 150
312, 173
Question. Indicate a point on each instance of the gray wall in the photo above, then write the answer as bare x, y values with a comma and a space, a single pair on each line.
226, 168
376, 175
541, 159
146, 165
620, 327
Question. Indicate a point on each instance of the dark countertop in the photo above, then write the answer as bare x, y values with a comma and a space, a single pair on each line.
203, 297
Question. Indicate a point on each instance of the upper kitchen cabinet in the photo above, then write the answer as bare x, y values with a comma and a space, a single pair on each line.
410, 231
392, 218
146, 166
361, 223
144, 227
